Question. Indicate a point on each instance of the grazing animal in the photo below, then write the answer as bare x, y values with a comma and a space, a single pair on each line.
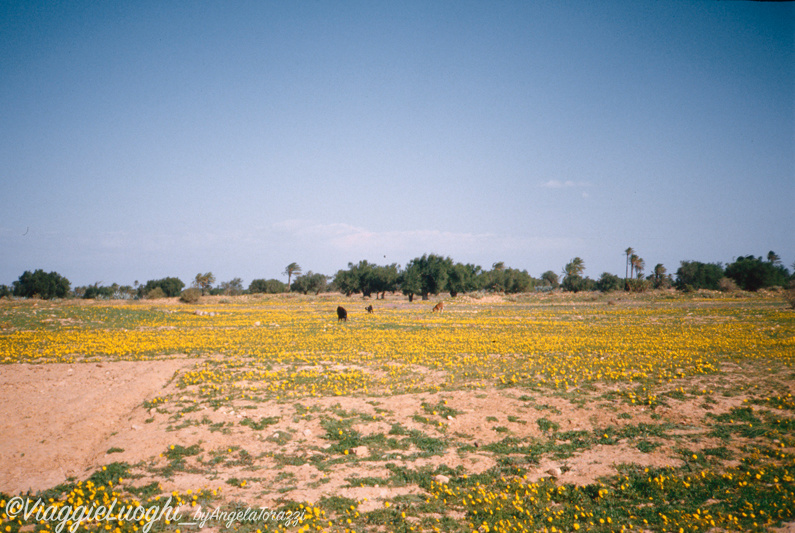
438, 307
369, 309
342, 314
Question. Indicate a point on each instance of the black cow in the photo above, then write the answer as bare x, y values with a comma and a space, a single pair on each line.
342, 314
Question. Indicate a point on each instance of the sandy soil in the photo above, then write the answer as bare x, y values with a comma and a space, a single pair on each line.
59, 421
56, 419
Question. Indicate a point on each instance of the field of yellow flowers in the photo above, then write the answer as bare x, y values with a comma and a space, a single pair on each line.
533, 413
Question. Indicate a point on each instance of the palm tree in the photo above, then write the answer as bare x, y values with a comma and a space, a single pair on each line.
575, 267
204, 281
639, 265
633, 259
773, 257
292, 268
659, 274
629, 251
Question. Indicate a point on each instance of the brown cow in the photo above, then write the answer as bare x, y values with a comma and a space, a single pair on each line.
438, 307
369, 309
342, 314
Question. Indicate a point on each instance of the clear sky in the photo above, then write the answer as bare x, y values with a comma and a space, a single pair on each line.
140, 140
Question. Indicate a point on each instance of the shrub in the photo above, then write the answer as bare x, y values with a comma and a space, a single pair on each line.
727, 285
190, 296
789, 294
155, 293
638, 285
608, 282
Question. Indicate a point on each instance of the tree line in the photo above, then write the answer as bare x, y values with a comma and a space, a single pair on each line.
430, 275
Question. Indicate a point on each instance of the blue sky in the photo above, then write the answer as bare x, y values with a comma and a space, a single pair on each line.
140, 140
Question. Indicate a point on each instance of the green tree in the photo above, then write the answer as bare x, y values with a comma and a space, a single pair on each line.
292, 268
410, 281
697, 275
171, 287
367, 278
658, 278
463, 278
551, 279
384, 279
42, 284
269, 286
204, 282
433, 272
508, 280
608, 282
639, 265
347, 281
572, 276
773, 258
752, 273
575, 267
96, 292
310, 282
232, 287
518, 281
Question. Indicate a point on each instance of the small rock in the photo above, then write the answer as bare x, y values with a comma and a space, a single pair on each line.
307, 433
257, 323
361, 451
554, 472
450, 417
441, 479
136, 428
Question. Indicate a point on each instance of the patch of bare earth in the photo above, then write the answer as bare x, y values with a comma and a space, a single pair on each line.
56, 419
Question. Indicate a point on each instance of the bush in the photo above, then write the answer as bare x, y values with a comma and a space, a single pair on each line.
155, 293
577, 284
608, 282
190, 296
638, 285
727, 285
789, 294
